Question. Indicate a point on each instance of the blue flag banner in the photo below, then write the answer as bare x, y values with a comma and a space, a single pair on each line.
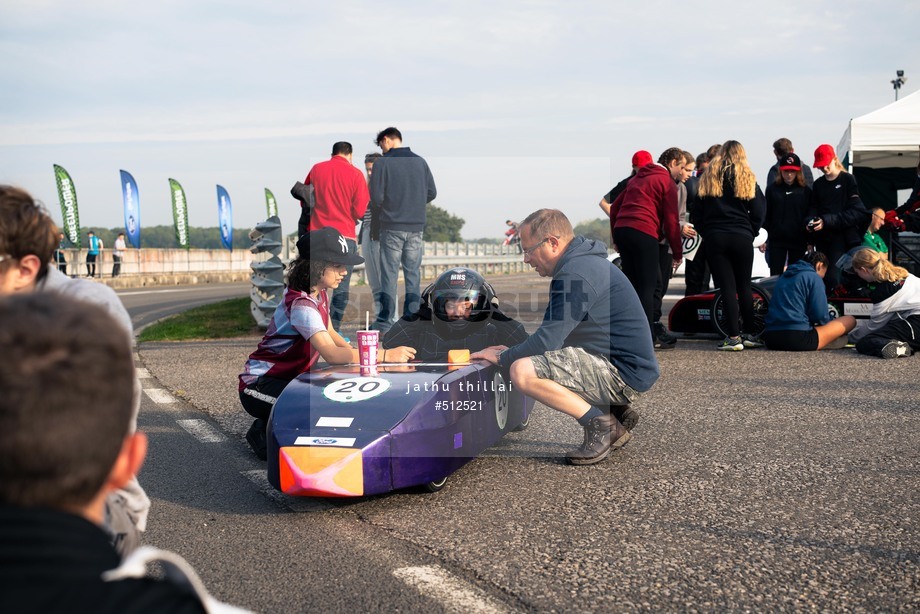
132, 208
225, 217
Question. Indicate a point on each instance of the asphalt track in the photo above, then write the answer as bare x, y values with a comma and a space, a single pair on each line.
756, 480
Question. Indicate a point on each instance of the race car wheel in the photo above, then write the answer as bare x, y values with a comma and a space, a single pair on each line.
760, 312
435, 486
524, 423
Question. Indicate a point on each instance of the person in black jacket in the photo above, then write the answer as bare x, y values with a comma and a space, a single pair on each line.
65, 415
788, 199
732, 209
837, 217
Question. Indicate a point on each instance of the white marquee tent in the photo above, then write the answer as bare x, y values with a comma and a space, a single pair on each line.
885, 138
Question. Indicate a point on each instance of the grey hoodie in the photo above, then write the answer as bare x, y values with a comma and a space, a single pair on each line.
593, 306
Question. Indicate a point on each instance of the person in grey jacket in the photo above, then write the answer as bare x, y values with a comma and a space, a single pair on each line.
592, 356
27, 241
401, 187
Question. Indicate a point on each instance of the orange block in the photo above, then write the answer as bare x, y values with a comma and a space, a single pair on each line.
323, 471
458, 356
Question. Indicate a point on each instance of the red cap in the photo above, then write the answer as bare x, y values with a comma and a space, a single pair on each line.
824, 155
641, 158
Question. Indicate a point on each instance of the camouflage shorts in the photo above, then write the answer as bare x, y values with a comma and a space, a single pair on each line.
591, 377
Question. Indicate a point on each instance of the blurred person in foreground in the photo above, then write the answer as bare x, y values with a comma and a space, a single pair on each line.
28, 237
66, 444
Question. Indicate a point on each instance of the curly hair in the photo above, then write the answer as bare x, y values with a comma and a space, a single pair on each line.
303, 274
729, 169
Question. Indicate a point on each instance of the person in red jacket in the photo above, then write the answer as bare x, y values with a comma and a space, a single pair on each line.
641, 215
341, 195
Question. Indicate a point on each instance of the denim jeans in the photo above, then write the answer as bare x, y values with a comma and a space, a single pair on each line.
370, 250
399, 247
340, 295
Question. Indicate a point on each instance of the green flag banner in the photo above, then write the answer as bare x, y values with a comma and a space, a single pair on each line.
67, 194
180, 212
271, 205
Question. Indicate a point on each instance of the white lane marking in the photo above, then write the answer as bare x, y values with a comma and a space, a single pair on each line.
452, 594
160, 396
202, 431
142, 373
259, 477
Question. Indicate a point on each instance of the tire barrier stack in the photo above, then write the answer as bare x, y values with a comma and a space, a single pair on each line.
267, 273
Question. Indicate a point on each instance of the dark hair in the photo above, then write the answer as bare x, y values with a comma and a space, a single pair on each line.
702, 159
390, 132
813, 258
670, 154
713, 151
304, 274
372, 157
25, 229
342, 148
783, 146
68, 387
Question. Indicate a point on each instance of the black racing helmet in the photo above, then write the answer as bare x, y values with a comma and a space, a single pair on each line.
458, 284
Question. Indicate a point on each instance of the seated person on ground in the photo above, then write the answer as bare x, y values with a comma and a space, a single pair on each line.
459, 311
798, 317
893, 327
66, 444
300, 331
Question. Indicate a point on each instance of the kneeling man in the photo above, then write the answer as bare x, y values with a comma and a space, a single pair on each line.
592, 355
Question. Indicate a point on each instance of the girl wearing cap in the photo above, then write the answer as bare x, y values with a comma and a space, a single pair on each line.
787, 205
836, 216
732, 209
871, 239
300, 331
893, 327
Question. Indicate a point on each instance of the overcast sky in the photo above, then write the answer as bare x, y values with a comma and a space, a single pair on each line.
515, 105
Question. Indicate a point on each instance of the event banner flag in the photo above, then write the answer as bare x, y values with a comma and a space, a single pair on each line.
225, 217
67, 194
180, 212
271, 205
132, 208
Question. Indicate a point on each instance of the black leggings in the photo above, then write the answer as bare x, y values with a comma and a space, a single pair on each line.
639, 257
731, 259
779, 254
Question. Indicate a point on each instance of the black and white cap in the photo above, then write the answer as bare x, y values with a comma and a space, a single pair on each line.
329, 245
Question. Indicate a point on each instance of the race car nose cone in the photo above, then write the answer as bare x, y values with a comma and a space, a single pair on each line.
321, 471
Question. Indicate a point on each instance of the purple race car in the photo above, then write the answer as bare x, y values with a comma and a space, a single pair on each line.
350, 431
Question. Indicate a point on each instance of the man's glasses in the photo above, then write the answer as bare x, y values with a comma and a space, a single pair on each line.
529, 252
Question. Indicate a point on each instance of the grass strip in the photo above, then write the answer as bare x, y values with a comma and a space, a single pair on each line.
215, 321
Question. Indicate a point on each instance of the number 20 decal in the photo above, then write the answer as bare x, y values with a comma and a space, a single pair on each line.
355, 389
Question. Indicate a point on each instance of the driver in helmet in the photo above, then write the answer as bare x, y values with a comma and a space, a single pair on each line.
459, 311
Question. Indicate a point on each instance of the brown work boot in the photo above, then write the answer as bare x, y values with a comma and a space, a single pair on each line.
627, 416
602, 434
